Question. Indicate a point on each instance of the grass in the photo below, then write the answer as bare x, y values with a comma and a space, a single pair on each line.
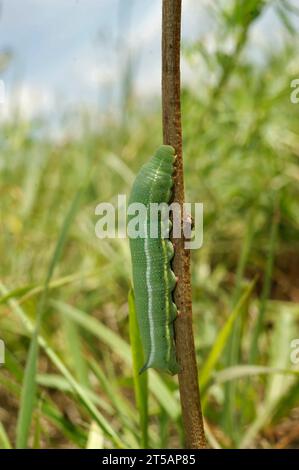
28, 394
140, 381
241, 157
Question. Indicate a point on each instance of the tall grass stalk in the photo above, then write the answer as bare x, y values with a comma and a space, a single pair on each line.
28, 394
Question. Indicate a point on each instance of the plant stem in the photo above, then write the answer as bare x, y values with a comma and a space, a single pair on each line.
172, 135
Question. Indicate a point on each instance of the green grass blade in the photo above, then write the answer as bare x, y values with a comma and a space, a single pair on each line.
50, 411
234, 341
265, 292
278, 385
4, 439
18, 292
91, 409
75, 352
222, 338
28, 395
287, 402
31, 290
140, 381
280, 353
57, 382
121, 347
122, 408
240, 372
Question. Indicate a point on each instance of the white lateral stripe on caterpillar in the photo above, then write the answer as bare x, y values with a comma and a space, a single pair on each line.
150, 300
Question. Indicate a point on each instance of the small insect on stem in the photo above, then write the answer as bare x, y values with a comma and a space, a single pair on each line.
188, 226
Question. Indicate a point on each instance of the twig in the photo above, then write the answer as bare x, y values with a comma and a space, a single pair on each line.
172, 135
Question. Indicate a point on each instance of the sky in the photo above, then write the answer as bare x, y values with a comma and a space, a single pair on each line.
70, 52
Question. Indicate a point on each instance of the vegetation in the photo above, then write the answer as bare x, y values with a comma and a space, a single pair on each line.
69, 290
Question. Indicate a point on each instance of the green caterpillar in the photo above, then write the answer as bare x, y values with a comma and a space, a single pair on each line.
153, 278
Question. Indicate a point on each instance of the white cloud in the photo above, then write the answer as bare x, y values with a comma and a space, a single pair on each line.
28, 101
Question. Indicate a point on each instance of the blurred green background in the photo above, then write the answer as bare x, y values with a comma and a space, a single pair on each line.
241, 149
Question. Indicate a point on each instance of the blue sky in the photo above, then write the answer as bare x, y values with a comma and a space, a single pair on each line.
67, 52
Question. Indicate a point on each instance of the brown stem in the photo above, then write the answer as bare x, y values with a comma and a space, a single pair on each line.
172, 135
